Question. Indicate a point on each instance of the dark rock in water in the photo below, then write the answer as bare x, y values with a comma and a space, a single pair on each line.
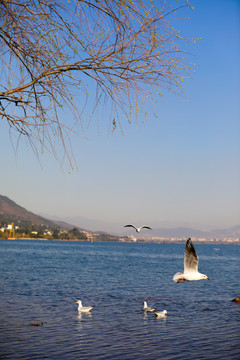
36, 323
32, 323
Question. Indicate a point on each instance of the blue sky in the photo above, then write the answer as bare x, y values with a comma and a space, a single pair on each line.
182, 168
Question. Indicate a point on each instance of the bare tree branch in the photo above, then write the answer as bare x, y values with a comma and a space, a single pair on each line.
52, 51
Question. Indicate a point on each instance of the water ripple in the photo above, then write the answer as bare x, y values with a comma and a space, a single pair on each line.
40, 282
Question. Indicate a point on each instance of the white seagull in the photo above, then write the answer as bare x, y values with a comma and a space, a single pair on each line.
161, 314
83, 308
138, 229
146, 308
190, 265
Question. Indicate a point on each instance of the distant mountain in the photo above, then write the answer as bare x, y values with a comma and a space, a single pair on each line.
233, 232
176, 232
12, 212
65, 225
164, 232
98, 226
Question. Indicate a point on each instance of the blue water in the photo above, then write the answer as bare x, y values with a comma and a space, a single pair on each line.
41, 280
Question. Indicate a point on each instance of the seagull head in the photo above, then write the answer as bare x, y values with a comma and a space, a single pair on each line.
205, 277
79, 302
165, 312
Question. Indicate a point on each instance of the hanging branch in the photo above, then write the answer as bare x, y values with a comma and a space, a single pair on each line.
52, 51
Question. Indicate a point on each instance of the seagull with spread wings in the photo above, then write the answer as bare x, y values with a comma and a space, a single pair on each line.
139, 229
190, 265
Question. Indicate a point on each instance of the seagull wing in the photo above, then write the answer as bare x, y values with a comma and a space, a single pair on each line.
131, 226
145, 227
190, 257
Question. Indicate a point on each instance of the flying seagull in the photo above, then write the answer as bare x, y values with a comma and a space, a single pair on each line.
146, 308
83, 308
190, 265
161, 314
138, 229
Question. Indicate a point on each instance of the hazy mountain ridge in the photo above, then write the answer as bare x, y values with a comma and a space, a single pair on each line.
164, 232
177, 232
10, 211
233, 232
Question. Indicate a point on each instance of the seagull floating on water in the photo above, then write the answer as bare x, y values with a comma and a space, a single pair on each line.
139, 229
190, 265
83, 308
161, 314
146, 308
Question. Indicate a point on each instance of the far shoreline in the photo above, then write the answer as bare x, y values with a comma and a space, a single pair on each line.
140, 241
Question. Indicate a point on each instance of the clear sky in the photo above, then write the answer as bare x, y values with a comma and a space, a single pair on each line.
182, 168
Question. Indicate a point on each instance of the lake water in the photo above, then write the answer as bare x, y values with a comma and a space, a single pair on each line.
40, 282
